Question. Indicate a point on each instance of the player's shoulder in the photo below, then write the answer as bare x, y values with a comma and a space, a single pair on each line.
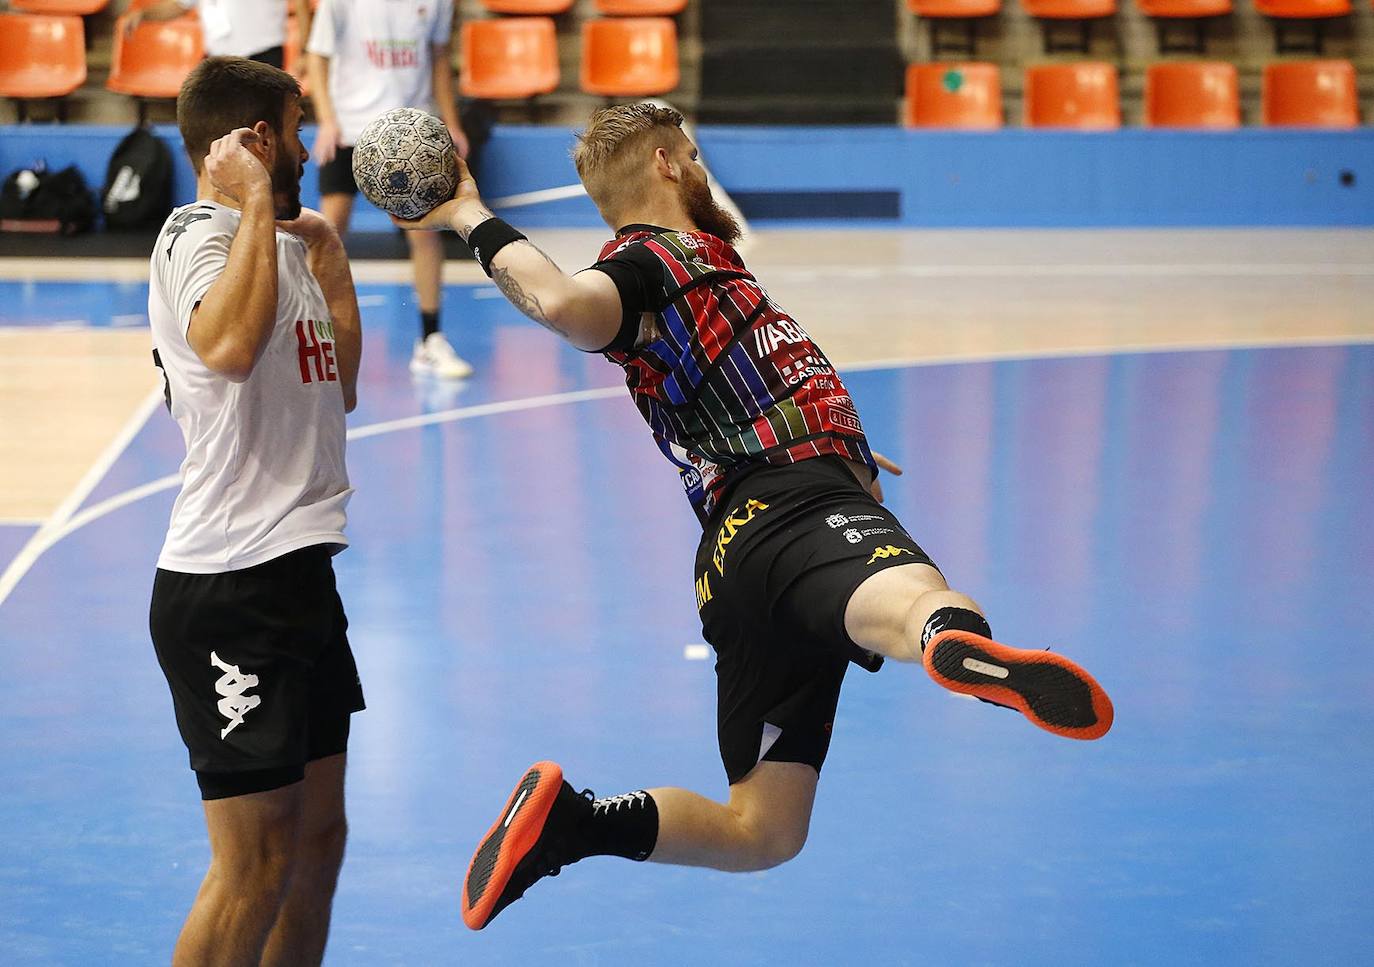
188, 225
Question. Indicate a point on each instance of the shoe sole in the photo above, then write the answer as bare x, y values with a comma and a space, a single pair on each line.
1049, 689
512, 836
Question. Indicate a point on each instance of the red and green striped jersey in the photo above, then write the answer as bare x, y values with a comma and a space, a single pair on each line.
725, 378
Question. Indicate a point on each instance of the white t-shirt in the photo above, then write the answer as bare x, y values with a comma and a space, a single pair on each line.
264, 471
381, 56
237, 28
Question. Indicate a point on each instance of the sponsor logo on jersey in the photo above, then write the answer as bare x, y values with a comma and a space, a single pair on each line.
384, 54
883, 553
734, 521
771, 335
315, 343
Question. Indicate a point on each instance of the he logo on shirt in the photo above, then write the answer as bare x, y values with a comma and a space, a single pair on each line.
315, 342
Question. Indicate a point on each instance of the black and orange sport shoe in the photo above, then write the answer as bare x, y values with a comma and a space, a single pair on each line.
531, 839
1049, 689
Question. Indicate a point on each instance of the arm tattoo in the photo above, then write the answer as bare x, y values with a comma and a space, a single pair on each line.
479, 216
526, 302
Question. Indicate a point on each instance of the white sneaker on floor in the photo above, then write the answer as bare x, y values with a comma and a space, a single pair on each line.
434, 356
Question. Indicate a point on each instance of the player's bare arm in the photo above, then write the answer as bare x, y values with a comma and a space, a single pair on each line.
443, 96
231, 326
584, 309
327, 133
329, 264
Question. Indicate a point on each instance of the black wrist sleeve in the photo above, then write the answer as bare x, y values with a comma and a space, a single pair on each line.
490, 237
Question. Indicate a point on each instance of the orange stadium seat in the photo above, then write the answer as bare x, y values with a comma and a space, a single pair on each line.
1310, 94
954, 9
76, 8
516, 57
629, 56
965, 12
1202, 94
1069, 9
640, 8
1185, 9
1082, 96
535, 7
1176, 13
1079, 14
155, 58
40, 56
1303, 9
953, 95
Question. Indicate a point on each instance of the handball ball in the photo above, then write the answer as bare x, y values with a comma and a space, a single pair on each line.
405, 163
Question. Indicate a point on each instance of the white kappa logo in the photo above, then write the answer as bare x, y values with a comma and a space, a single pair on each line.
232, 685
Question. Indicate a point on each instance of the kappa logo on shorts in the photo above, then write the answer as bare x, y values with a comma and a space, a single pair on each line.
731, 526
232, 685
883, 553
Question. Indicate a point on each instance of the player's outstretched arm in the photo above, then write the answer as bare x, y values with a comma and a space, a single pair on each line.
231, 326
584, 309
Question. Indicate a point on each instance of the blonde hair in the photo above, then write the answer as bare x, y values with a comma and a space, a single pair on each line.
607, 155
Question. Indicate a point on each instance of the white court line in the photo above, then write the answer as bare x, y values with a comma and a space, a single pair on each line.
538, 197
44, 538
371, 301
59, 527
1085, 270
466, 273
21, 521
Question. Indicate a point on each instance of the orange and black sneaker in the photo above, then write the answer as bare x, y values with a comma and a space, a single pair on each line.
531, 839
1049, 689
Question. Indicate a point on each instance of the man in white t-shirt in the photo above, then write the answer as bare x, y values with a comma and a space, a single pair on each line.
370, 56
255, 326
255, 29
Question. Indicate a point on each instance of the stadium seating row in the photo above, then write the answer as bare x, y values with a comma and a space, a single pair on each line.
1092, 9
614, 8
1178, 94
43, 56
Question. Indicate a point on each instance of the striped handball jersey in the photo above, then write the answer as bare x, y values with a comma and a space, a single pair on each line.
725, 378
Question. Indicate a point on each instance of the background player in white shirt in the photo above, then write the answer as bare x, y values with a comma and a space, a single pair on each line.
370, 56
255, 325
255, 29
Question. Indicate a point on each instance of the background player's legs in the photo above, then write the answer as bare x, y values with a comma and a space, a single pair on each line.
427, 259
338, 208
433, 353
302, 926
889, 611
764, 824
252, 843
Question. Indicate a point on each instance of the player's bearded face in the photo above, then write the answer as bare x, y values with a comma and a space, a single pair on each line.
286, 182
703, 209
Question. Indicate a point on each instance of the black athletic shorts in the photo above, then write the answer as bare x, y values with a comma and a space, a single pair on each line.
778, 563
336, 177
261, 673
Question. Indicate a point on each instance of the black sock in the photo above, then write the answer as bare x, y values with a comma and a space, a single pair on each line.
624, 825
429, 323
958, 619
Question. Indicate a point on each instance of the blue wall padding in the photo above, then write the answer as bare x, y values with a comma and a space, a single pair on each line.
1011, 178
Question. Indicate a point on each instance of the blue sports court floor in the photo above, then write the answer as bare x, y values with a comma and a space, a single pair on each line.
1196, 527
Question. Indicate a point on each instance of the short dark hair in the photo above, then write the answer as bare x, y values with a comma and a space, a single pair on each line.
224, 93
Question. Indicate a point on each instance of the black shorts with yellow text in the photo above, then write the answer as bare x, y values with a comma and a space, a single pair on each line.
780, 558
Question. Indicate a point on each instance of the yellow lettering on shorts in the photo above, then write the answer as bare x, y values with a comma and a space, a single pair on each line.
736, 519
703, 589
